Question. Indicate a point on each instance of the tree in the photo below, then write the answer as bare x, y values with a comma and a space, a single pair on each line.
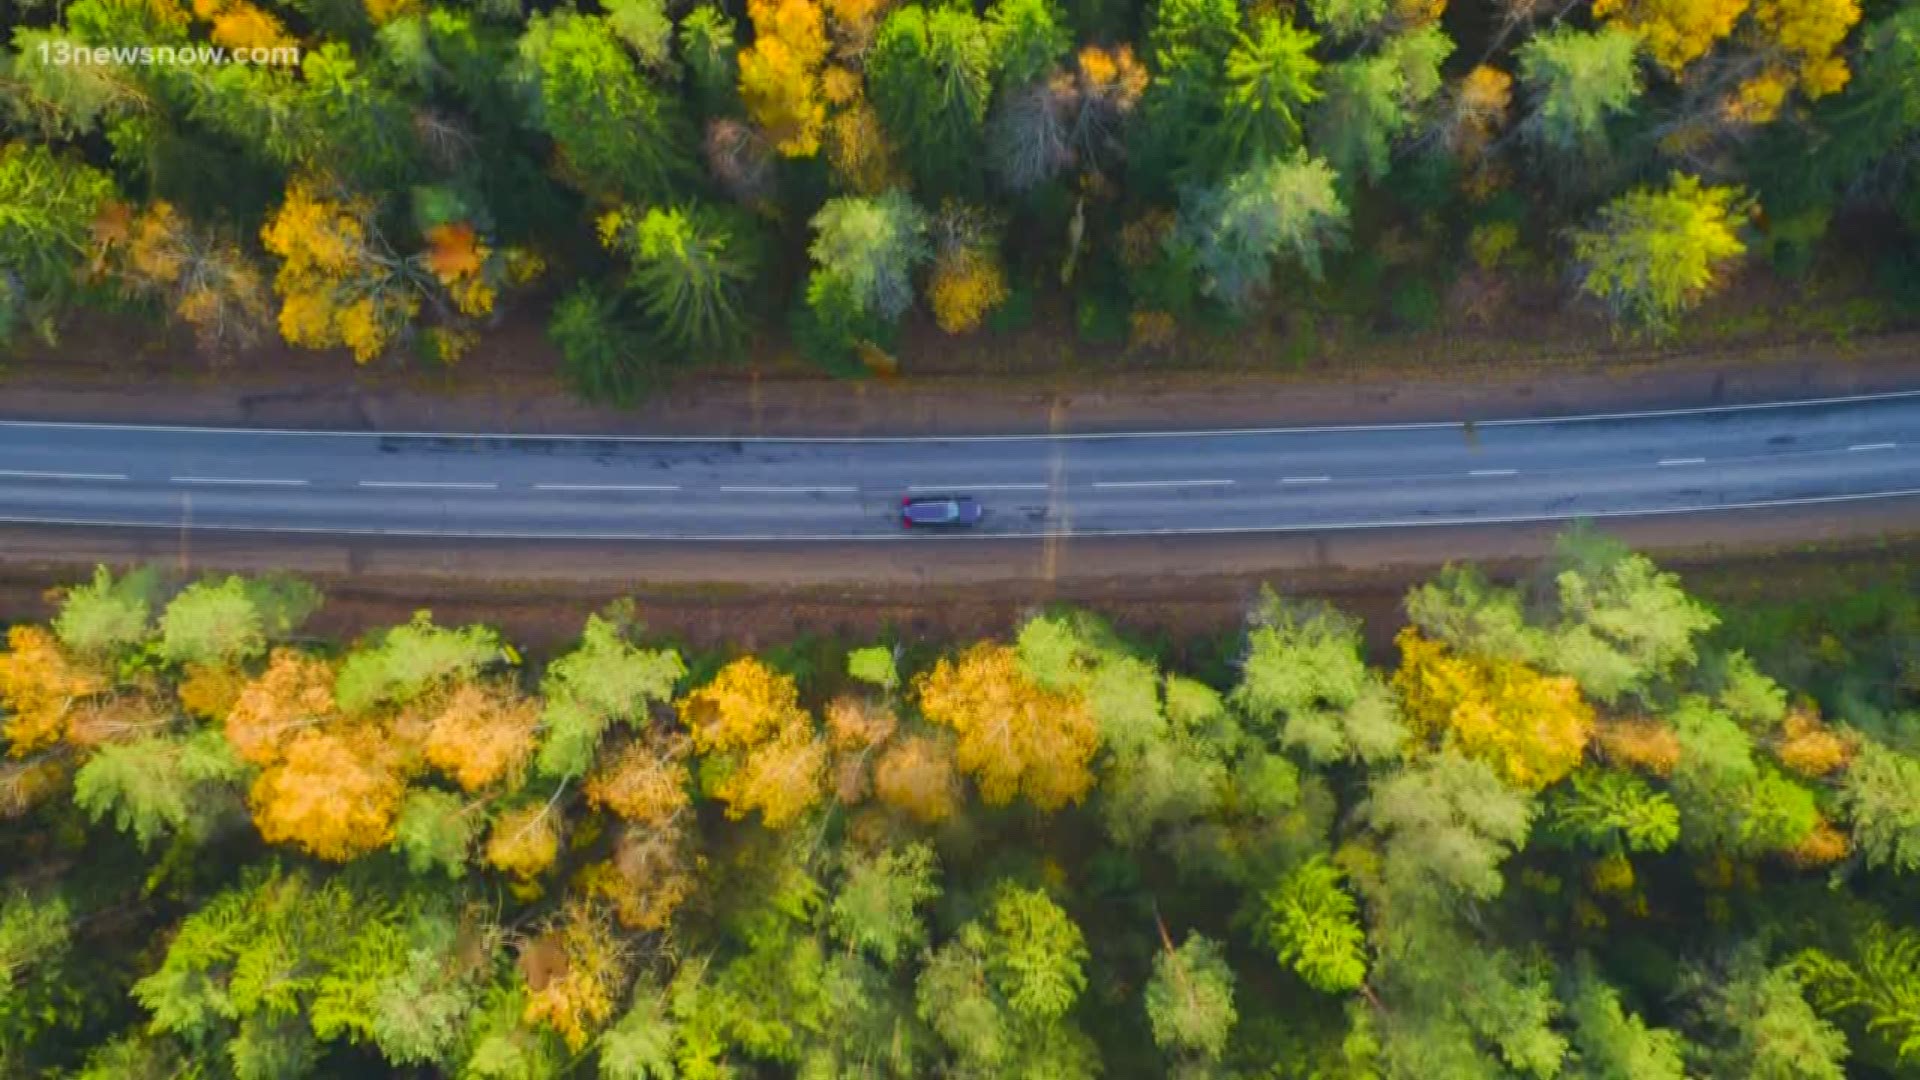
1015, 737
398, 665
967, 282
161, 786
1371, 101
780, 73
1579, 80
1270, 76
1303, 671
1654, 254
108, 617
1029, 37
1446, 823
231, 620
931, 73
1190, 998
875, 909
692, 268
575, 972
1757, 1022
1612, 1043
1876, 986
1881, 792
50, 204
40, 685
706, 35
203, 279
864, 252
481, 734
1278, 207
604, 355
1675, 32
335, 792
1314, 928
605, 680
769, 756
874, 665
1532, 728
996, 992
436, 830
619, 137
916, 776
1613, 813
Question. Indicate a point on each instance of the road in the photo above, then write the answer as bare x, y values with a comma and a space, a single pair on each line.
1837, 451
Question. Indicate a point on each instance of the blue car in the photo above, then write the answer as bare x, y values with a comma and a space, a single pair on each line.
939, 512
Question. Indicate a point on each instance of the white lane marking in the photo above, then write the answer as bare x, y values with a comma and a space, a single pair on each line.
1493, 472
883, 537
1426, 425
29, 474
454, 485
751, 489
1161, 483
1305, 479
976, 487
1683, 461
1862, 447
606, 487
267, 480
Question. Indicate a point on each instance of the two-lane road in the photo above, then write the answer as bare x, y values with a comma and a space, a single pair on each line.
1832, 451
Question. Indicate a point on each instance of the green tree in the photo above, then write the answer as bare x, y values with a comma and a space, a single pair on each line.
163, 785
1613, 812
707, 43
399, 664
1446, 823
605, 680
1029, 38
1881, 792
619, 137
604, 355
930, 74
1877, 986
47, 206
877, 906
229, 620
1314, 927
1653, 254
865, 252
1579, 80
1270, 76
1190, 999
693, 269
1280, 207
1370, 101
1612, 1043
1303, 672
109, 616
1756, 1022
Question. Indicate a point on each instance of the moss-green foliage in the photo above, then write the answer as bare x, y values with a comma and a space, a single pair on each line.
1265, 880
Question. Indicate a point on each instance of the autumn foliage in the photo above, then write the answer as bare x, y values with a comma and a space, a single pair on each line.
1015, 738
1532, 728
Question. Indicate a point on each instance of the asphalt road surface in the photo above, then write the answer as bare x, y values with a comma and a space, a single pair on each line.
1836, 452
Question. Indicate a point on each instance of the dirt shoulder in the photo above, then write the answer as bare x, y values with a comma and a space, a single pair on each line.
510, 391
723, 594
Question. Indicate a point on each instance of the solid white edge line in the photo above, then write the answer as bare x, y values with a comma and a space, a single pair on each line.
821, 489
606, 487
964, 488
235, 480
1494, 472
1683, 461
1160, 483
1863, 447
29, 474
1305, 479
1428, 425
884, 537
444, 485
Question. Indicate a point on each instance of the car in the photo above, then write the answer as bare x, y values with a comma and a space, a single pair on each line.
939, 512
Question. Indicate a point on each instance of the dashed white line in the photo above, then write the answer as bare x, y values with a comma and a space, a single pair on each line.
976, 487
606, 487
1305, 479
1858, 448
1683, 461
264, 480
1494, 472
833, 489
453, 485
1160, 483
29, 474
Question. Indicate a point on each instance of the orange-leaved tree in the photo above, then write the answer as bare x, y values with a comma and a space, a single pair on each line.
1015, 736
772, 759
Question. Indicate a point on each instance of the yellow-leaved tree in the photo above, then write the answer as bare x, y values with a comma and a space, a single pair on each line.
204, 280
771, 757
1531, 728
780, 73
39, 687
1015, 737
342, 283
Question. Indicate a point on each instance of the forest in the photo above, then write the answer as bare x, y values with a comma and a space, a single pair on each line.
1582, 824
666, 182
